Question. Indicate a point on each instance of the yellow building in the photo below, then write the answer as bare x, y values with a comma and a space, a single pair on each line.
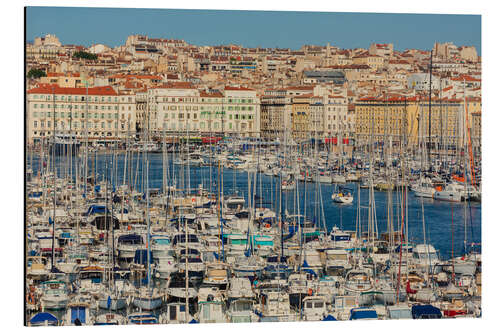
378, 118
446, 123
72, 80
474, 122
374, 61
300, 117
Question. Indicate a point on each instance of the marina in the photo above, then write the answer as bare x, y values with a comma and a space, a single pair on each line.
235, 230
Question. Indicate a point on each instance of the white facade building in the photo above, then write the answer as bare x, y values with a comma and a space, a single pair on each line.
106, 114
185, 109
420, 82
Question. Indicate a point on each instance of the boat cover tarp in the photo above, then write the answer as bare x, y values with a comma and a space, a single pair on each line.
425, 312
359, 313
310, 271
329, 318
55, 270
96, 209
290, 235
43, 317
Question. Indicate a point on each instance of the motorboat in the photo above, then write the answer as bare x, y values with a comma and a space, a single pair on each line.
55, 295
358, 281
176, 314
452, 192
241, 310
239, 288
314, 308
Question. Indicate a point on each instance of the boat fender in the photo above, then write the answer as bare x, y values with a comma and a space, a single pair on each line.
309, 292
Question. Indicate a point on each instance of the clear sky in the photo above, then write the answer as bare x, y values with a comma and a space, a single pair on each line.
111, 26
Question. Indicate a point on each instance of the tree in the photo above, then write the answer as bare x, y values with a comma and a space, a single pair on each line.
85, 55
36, 73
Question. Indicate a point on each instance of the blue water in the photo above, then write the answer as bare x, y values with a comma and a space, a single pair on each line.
437, 214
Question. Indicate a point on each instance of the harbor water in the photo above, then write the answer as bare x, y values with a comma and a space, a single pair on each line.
438, 217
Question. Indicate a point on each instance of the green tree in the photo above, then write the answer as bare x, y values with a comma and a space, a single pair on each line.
85, 55
36, 73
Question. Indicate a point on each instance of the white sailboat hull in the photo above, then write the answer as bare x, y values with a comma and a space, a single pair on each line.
342, 199
451, 196
117, 303
148, 303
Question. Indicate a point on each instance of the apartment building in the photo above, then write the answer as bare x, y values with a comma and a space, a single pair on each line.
275, 113
336, 120
181, 108
301, 122
380, 117
101, 111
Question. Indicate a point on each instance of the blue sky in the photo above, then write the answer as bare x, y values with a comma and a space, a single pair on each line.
111, 26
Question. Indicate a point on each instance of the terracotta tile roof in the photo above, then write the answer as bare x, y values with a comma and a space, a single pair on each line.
300, 88
238, 88
135, 76
214, 94
177, 85
466, 78
55, 89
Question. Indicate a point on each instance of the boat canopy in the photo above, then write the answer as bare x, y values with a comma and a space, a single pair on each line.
190, 252
130, 239
141, 257
181, 238
103, 222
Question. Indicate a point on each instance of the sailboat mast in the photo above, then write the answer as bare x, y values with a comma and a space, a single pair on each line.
430, 114
147, 218
53, 176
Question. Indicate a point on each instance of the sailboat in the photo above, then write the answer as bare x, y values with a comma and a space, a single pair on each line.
148, 298
110, 299
342, 196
